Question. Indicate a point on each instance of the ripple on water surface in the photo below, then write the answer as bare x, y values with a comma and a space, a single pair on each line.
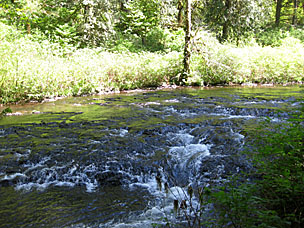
122, 160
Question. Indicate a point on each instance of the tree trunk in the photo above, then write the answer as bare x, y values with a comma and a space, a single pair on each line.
122, 5
295, 9
28, 27
180, 13
187, 51
224, 36
278, 12
224, 33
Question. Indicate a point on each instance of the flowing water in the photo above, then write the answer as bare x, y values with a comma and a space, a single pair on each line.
121, 160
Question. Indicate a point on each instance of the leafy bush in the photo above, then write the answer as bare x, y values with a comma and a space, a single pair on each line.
8, 33
157, 40
275, 198
273, 36
165, 40
215, 63
32, 70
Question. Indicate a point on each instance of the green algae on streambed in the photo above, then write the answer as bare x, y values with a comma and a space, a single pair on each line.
92, 161
97, 107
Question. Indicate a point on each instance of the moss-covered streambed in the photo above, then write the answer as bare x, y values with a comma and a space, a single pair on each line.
121, 160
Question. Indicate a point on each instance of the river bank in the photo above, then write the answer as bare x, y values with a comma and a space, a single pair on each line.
34, 71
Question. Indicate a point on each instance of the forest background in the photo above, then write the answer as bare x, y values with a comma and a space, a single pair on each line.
75, 47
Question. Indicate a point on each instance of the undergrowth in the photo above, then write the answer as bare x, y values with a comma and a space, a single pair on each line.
215, 63
270, 195
274, 195
35, 69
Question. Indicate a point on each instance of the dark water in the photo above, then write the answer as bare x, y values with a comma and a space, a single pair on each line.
94, 161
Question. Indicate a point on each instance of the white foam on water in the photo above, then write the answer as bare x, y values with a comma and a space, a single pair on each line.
237, 136
170, 109
297, 103
180, 137
171, 101
139, 222
226, 115
163, 208
239, 117
26, 154
65, 175
151, 103
13, 176
119, 132
123, 132
39, 164
189, 154
42, 186
2, 132
95, 142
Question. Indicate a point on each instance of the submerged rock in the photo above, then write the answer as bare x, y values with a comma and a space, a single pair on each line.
110, 178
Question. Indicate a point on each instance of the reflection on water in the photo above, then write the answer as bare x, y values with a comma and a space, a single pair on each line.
122, 160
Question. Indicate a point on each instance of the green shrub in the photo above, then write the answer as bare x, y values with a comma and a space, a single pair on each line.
215, 63
157, 40
32, 70
275, 198
273, 36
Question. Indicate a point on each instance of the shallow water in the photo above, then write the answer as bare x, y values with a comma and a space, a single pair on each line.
95, 161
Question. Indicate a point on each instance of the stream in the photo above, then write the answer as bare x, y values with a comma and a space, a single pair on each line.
121, 160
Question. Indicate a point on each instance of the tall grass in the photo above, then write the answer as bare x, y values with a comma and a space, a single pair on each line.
215, 63
32, 70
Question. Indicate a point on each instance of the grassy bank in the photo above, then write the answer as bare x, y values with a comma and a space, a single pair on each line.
215, 63
31, 70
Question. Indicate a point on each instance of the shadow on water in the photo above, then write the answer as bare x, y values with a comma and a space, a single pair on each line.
62, 206
98, 161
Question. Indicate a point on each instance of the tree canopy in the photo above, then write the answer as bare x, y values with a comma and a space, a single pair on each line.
96, 22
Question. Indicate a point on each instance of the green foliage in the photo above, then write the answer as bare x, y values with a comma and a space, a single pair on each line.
32, 71
235, 205
59, 21
274, 199
288, 12
215, 63
20, 13
5, 111
273, 36
140, 17
234, 20
280, 162
80, 23
93, 23
8, 33
157, 40
174, 40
